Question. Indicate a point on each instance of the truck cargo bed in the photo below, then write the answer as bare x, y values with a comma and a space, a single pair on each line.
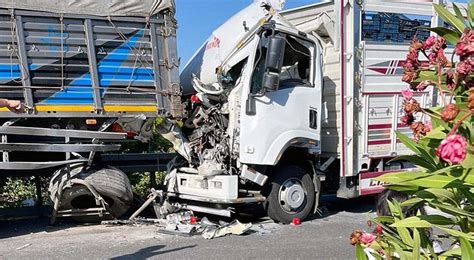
80, 65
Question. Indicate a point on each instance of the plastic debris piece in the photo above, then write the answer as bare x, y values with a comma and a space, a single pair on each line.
234, 228
180, 217
193, 220
23, 246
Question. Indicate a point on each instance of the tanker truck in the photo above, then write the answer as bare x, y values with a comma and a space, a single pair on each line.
275, 108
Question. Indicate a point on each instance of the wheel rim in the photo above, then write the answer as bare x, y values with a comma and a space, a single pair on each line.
292, 195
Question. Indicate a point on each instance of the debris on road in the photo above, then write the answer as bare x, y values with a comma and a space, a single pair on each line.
23, 246
234, 228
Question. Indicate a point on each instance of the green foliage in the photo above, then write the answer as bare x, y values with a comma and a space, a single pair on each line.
141, 182
14, 191
438, 183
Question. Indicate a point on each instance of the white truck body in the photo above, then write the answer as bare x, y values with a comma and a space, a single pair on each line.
363, 109
341, 116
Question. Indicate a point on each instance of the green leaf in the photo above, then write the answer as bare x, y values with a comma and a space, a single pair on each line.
417, 160
452, 252
395, 209
467, 253
401, 177
438, 182
468, 161
438, 194
470, 13
411, 202
404, 188
449, 18
423, 221
469, 194
437, 133
423, 152
456, 251
458, 13
417, 244
408, 142
360, 254
385, 219
457, 233
451, 209
451, 36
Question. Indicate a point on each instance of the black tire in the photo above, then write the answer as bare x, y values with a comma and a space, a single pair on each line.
112, 184
383, 209
275, 206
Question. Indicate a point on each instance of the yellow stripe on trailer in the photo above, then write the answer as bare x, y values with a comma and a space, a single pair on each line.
64, 108
118, 108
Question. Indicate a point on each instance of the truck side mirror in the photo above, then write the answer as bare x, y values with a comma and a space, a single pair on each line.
271, 81
273, 63
276, 49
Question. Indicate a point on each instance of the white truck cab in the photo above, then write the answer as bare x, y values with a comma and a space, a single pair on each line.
257, 96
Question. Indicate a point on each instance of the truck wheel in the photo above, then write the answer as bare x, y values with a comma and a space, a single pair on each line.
112, 184
290, 194
382, 207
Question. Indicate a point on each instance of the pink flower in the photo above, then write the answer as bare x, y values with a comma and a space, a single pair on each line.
407, 94
450, 80
464, 68
412, 56
465, 47
378, 229
367, 238
423, 85
452, 149
432, 58
407, 120
429, 126
429, 42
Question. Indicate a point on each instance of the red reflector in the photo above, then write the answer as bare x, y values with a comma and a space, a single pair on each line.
195, 99
117, 128
296, 221
193, 220
131, 135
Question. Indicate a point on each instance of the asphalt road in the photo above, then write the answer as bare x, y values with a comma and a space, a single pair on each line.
322, 237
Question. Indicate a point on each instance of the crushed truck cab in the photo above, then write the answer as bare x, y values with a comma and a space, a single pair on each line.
253, 95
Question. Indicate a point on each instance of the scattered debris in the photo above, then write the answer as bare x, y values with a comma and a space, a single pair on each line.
265, 228
23, 246
180, 217
234, 228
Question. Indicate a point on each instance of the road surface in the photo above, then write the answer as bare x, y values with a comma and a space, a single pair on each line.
323, 237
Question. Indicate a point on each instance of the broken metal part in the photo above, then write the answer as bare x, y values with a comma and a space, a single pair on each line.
253, 175
234, 228
172, 132
151, 199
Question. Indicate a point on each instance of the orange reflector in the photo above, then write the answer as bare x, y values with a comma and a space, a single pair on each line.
91, 122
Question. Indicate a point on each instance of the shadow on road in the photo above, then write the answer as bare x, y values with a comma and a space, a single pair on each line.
329, 205
20, 227
149, 252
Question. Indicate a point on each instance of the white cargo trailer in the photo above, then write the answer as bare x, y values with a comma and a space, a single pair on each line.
365, 44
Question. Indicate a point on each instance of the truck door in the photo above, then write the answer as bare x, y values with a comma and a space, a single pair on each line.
288, 115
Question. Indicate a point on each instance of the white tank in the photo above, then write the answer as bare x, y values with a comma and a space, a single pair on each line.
223, 41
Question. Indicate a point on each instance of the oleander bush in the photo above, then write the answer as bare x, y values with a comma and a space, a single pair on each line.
443, 151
